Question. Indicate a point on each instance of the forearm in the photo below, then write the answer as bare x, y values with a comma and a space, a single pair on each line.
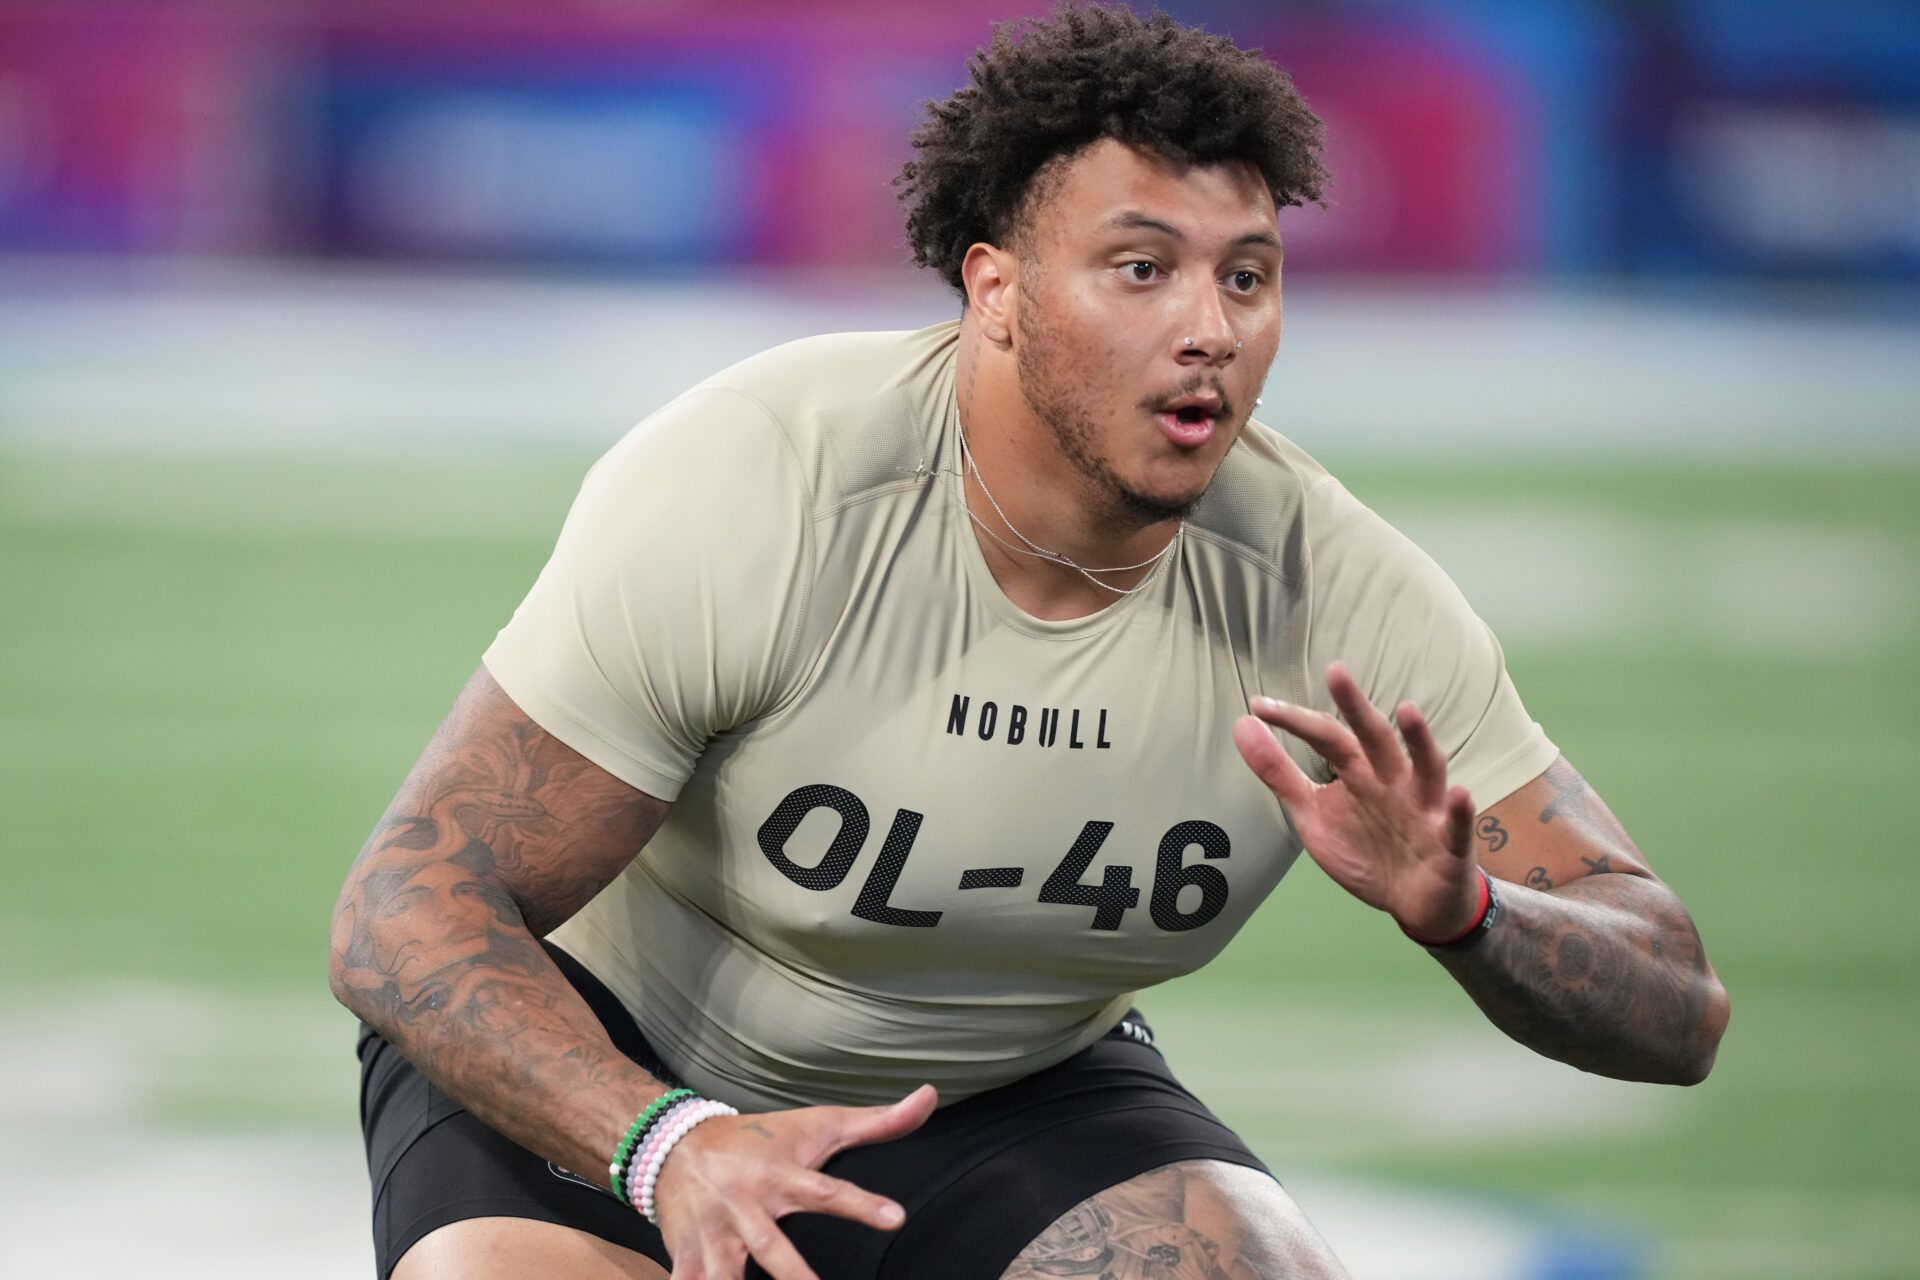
479, 1007
498, 835
1606, 973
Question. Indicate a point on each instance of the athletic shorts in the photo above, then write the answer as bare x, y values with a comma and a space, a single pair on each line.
980, 1180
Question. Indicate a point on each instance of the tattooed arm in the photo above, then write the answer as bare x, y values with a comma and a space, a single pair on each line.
499, 834
1593, 960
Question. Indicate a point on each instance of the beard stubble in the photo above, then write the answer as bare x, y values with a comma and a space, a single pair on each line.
1050, 372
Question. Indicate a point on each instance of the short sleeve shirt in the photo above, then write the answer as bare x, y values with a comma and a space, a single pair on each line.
917, 834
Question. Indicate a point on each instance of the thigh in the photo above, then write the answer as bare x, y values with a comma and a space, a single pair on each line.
512, 1248
1195, 1220
986, 1176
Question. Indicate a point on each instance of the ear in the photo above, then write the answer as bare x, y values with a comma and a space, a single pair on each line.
992, 277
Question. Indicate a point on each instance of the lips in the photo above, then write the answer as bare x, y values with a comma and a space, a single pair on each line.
1189, 421
1188, 430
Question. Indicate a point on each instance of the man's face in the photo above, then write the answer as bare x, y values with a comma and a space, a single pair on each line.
1125, 257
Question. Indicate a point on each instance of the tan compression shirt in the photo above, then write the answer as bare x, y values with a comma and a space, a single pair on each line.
917, 834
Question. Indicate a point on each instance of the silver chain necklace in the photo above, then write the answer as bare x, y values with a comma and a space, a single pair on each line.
1039, 552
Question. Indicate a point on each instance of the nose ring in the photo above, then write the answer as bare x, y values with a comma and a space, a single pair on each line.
1189, 341
1239, 344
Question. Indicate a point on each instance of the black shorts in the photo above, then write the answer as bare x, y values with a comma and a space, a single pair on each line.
979, 1181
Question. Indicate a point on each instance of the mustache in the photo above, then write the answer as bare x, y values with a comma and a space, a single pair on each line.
1193, 386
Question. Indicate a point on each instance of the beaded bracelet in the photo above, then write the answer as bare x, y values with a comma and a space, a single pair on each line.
637, 1171
670, 1137
657, 1156
617, 1171
662, 1123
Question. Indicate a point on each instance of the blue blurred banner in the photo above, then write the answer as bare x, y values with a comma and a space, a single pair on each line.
1771, 138
1713, 136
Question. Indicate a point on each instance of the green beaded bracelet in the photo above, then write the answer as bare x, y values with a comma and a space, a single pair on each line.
617, 1171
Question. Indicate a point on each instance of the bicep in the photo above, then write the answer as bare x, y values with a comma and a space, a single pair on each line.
1553, 831
507, 804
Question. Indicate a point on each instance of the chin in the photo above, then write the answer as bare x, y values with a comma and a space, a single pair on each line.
1176, 490
1162, 504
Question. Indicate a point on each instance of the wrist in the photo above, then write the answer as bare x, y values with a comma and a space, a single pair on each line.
647, 1176
633, 1142
1486, 913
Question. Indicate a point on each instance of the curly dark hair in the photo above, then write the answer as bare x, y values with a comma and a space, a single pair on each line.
1043, 90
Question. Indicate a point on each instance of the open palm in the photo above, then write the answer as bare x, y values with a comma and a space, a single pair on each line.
1388, 829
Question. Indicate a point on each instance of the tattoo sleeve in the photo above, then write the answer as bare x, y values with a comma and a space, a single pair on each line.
500, 833
1594, 961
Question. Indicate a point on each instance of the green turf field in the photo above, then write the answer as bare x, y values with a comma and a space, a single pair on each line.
214, 670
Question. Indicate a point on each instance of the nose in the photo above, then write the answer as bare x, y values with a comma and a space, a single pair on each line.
1206, 335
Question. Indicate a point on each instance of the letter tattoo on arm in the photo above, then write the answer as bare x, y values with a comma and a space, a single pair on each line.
1602, 967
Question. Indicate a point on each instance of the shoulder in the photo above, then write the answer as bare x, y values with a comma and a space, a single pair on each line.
855, 410
833, 369
820, 418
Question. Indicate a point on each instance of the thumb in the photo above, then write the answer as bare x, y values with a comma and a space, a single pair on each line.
862, 1125
1270, 761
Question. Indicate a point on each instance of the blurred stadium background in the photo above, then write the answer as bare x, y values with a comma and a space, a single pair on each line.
311, 314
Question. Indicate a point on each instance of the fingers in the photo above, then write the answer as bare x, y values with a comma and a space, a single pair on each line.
822, 1193
1429, 762
729, 1185
1334, 741
1270, 762
1371, 729
1460, 816
771, 1248
858, 1126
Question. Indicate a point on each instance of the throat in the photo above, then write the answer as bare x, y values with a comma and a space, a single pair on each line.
1053, 594
1058, 548
1055, 585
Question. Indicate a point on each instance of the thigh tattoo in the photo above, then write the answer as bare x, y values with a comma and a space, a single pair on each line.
1165, 1225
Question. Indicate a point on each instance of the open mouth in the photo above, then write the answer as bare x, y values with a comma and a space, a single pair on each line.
1189, 420
1188, 426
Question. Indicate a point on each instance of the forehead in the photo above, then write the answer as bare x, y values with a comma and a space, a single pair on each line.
1110, 176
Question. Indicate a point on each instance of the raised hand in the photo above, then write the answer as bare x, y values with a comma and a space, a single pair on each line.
1388, 829
723, 1188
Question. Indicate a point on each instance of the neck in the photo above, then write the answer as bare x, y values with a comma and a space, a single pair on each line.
1056, 546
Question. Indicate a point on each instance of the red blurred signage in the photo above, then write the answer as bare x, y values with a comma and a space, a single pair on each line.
1433, 164
124, 127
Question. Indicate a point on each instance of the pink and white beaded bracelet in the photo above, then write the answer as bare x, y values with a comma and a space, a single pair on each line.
636, 1167
682, 1122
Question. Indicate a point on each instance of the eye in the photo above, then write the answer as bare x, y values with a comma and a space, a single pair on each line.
1141, 271
1244, 281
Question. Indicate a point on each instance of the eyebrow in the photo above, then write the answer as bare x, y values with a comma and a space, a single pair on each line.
1133, 220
